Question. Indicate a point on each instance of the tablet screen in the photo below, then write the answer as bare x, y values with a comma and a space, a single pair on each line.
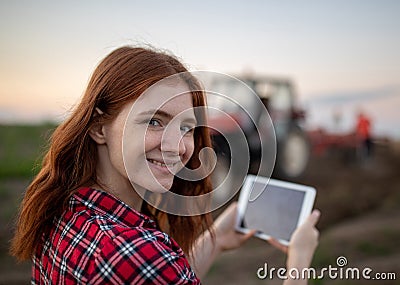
275, 211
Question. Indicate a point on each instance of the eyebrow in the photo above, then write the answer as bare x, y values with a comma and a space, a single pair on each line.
165, 115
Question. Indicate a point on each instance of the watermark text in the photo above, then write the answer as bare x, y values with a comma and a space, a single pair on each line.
339, 271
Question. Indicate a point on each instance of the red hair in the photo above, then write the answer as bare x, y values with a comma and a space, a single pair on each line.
71, 160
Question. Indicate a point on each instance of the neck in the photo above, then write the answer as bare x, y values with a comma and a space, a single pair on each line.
111, 181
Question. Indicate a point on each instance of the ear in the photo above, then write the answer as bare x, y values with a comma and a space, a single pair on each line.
97, 133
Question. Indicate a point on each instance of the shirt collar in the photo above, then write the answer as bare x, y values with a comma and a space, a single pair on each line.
104, 203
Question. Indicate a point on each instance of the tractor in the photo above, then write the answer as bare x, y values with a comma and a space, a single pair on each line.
278, 96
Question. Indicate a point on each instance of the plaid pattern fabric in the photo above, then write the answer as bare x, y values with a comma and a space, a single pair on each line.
101, 240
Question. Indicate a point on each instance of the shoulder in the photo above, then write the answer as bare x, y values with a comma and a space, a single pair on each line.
141, 256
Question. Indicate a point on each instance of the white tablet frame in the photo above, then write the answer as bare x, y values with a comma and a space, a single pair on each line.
308, 202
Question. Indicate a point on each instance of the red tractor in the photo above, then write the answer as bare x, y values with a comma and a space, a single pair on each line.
279, 98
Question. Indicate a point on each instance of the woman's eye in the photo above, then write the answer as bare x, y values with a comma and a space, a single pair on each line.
154, 123
187, 129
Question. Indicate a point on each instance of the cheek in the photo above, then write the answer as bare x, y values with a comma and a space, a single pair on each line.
114, 146
152, 140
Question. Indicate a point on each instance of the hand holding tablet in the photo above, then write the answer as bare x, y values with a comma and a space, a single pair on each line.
274, 208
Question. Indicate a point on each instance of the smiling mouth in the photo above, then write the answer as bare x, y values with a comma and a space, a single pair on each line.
169, 165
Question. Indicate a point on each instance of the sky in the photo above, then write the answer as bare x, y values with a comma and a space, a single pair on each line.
342, 55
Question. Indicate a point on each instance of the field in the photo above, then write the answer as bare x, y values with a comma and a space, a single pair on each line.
359, 201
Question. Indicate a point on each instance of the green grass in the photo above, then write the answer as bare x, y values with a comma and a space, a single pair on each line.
385, 241
373, 249
21, 149
324, 255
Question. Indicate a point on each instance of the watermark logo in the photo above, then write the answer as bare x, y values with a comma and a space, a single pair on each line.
341, 261
340, 272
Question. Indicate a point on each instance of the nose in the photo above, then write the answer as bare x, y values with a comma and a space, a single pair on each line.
172, 141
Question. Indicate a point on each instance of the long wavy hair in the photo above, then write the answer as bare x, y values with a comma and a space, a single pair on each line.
71, 160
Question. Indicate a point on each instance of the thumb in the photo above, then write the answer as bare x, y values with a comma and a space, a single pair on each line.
314, 217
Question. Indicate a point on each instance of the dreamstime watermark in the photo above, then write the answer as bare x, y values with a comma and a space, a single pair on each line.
340, 271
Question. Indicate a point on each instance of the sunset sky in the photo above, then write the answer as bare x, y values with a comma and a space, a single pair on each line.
342, 55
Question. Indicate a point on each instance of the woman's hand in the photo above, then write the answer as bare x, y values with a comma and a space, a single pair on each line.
301, 249
304, 238
226, 235
303, 243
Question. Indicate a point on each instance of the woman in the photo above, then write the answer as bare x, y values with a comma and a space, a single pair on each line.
83, 219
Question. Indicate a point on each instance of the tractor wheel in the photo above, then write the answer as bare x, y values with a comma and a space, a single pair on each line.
293, 154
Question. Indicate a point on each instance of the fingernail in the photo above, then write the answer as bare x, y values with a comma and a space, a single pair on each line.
316, 213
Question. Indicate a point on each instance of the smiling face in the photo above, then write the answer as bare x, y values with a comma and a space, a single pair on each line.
157, 135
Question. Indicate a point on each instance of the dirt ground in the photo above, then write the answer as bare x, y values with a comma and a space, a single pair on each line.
360, 205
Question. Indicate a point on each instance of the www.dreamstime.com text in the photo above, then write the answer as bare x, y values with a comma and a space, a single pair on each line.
331, 272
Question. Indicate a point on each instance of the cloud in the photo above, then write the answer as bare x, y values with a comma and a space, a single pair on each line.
353, 96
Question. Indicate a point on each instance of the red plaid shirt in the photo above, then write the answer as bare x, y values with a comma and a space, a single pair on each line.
101, 240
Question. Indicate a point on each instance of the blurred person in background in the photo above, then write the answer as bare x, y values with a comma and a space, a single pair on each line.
363, 132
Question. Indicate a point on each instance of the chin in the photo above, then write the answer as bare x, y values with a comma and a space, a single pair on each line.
160, 186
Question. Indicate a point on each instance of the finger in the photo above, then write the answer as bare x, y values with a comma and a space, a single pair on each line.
249, 234
314, 217
278, 245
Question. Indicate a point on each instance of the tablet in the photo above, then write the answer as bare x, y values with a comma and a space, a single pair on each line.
272, 207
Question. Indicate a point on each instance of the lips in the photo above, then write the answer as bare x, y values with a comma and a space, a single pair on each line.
159, 163
164, 164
